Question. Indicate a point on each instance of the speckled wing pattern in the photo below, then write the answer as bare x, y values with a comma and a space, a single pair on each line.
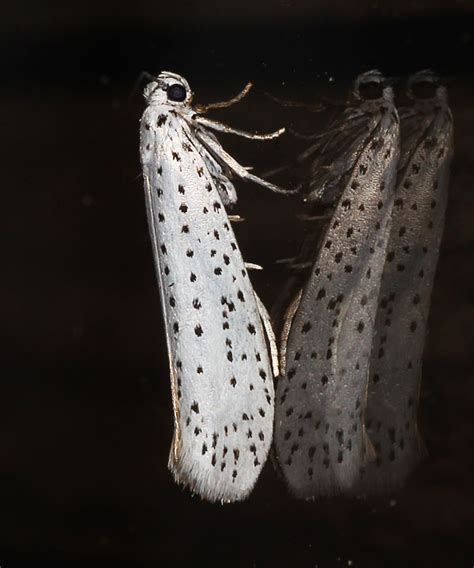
220, 369
320, 438
412, 255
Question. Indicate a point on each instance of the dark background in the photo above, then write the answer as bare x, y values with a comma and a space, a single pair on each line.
85, 409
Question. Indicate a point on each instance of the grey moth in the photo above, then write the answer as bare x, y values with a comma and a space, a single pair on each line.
404, 303
321, 443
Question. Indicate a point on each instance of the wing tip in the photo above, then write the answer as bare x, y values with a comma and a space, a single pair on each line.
383, 479
322, 484
202, 481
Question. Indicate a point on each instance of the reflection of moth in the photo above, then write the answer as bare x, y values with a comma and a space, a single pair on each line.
412, 254
221, 372
320, 438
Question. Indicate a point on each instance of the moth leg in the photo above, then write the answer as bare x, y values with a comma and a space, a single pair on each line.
219, 126
370, 453
216, 149
235, 218
265, 317
315, 107
275, 171
302, 136
252, 266
288, 260
302, 265
309, 152
322, 134
305, 217
226, 104
292, 264
287, 323
326, 134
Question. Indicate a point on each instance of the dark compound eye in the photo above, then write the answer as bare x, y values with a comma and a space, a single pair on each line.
371, 90
176, 93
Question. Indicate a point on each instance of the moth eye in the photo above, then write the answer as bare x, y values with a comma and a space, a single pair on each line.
371, 90
176, 93
424, 89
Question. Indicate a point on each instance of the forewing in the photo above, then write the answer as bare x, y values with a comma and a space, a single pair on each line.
320, 401
220, 369
417, 225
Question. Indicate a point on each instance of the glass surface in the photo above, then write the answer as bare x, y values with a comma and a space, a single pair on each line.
85, 396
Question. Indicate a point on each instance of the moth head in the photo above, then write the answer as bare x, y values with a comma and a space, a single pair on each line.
169, 88
371, 86
424, 85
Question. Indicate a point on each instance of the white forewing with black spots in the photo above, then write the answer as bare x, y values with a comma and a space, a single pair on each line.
220, 366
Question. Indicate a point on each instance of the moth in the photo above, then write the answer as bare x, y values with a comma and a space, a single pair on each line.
320, 438
220, 342
412, 255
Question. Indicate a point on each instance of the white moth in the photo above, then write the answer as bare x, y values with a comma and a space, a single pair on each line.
320, 438
412, 255
220, 367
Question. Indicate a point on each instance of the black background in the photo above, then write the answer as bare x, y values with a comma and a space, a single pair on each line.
85, 409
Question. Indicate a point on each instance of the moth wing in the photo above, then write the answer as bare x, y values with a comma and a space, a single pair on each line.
320, 439
417, 225
220, 369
